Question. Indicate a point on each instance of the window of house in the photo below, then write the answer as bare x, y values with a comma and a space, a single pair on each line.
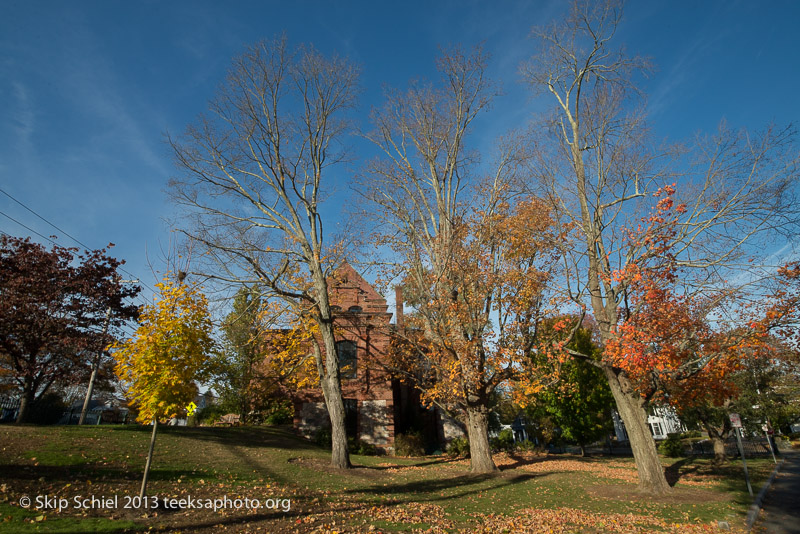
655, 428
346, 352
355, 309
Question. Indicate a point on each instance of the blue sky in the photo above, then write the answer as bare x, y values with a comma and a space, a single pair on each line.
89, 88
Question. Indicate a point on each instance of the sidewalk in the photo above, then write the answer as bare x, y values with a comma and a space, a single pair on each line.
781, 510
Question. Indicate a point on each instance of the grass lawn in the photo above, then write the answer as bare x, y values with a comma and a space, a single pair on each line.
297, 491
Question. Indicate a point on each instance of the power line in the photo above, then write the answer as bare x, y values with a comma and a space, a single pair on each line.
27, 228
87, 247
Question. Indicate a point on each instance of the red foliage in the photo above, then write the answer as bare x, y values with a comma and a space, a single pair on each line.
52, 310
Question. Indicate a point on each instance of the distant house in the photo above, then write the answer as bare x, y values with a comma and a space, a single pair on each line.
99, 412
377, 405
662, 421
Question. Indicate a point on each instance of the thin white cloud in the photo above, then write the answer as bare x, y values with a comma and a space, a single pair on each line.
23, 116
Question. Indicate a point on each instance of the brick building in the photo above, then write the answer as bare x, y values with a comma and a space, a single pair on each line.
377, 406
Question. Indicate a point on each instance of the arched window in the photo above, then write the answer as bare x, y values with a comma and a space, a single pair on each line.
355, 309
347, 354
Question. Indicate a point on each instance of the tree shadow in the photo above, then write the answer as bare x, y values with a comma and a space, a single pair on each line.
248, 436
71, 473
673, 473
423, 463
431, 490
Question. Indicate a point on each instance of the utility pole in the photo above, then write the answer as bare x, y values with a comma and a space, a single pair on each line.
96, 364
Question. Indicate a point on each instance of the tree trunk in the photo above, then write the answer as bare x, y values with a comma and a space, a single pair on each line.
89, 391
478, 431
630, 405
93, 377
719, 450
340, 456
334, 402
583, 449
25, 402
717, 438
149, 460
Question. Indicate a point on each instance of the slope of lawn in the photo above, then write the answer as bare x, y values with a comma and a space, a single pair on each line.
297, 491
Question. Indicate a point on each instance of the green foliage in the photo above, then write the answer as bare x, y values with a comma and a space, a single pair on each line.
209, 414
504, 441
528, 445
357, 446
409, 444
280, 413
323, 438
766, 388
458, 447
672, 447
579, 408
235, 373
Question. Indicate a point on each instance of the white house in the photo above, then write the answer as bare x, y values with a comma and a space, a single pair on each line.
662, 421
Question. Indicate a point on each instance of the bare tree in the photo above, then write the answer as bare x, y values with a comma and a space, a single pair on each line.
255, 172
600, 171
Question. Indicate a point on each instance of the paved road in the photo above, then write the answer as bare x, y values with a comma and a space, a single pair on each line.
781, 510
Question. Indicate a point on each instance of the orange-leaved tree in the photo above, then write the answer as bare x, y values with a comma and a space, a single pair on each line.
599, 168
474, 326
168, 353
468, 254
680, 348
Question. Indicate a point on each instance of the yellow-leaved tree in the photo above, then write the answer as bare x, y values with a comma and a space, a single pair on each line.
168, 353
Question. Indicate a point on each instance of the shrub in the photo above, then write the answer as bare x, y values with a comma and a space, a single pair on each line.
210, 414
280, 415
672, 446
409, 444
324, 438
47, 410
504, 441
528, 445
691, 434
357, 446
458, 447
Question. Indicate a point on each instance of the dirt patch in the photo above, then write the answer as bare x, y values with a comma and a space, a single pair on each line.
630, 492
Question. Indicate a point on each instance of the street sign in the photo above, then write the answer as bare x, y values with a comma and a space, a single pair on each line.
736, 421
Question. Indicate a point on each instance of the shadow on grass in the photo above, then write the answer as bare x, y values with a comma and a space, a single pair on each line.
423, 463
244, 436
673, 472
51, 473
433, 490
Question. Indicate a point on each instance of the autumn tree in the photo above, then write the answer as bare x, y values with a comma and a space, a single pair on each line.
52, 307
472, 254
169, 352
599, 169
254, 174
753, 389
